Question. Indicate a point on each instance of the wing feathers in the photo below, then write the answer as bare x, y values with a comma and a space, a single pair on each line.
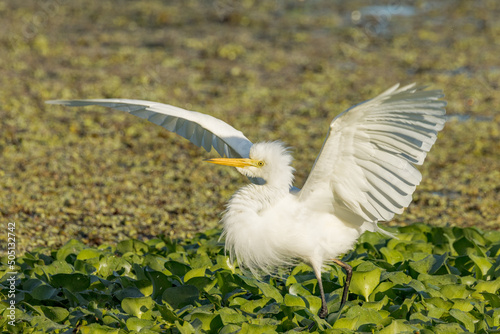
202, 130
368, 158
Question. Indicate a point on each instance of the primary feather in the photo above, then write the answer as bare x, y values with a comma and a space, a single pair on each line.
201, 129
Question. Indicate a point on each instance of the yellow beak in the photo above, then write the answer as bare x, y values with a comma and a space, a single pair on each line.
243, 162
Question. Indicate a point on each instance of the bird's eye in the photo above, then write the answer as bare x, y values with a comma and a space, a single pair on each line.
260, 163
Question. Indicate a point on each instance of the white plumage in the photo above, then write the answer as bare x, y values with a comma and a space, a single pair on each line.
364, 174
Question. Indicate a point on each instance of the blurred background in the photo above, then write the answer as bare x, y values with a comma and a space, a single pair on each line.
274, 69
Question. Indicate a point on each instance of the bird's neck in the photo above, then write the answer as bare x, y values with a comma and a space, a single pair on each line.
258, 197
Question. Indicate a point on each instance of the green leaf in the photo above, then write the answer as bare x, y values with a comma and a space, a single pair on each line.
465, 305
230, 316
398, 326
294, 301
252, 306
488, 286
98, 329
88, 253
392, 256
160, 282
43, 292
465, 319
452, 291
71, 247
483, 265
180, 296
177, 268
430, 264
452, 328
204, 317
45, 325
133, 246
73, 282
136, 324
270, 291
137, 306
364, 282
492, 298
56, 314
363, 316
198, 272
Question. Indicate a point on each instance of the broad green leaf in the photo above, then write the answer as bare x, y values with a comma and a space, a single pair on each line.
145, 286
137, 306
177, 268
430, 264
398, 326
198, 272
298, 289
364, 282
230, 316
71, 247
492, 298
464, 305
482, 264
363, 316
294, 301
133, 246
56, 267
43, 292
392, 256
204, 317
202, 283
88, 253
463, 245
270, 291
464, 318
452, 328
438, 302
154, 262
139, 325
437, 280
247, 328
110, 265
160, 282
31, 283
185, 328
56, 314
45, 325
347, 323
486, 286
73, 282
382, 290
180, 296
313, 303
252, 306
98, 329
452, 291
168, 314
230, 329
377, 305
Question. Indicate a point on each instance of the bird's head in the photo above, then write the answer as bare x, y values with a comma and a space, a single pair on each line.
268, 163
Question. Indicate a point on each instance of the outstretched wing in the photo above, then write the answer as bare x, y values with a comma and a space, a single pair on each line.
202, 130
366, 165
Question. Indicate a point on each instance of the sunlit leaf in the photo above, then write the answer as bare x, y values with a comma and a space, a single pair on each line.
364, 282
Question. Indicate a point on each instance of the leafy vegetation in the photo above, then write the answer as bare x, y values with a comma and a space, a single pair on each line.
428, 280
273, 69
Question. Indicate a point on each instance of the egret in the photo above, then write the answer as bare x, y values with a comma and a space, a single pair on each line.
365, 173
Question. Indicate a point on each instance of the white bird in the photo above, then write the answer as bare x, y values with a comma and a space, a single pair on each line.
364, 174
